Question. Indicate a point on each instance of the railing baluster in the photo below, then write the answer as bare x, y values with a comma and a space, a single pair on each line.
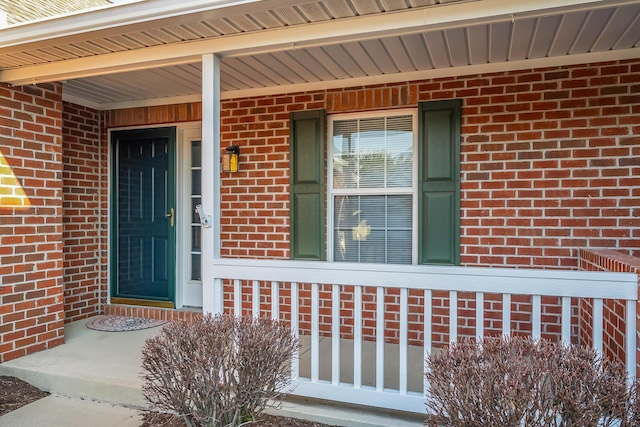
396, 285
506, 315
295, 327
357, 336
453, 316
379, 338
315, 333
631, 339
566, 320
237, 297
428, 329
480, 315
404, 342
213, 297
598, 319
255, 299
536, 317
335, 334
275, 300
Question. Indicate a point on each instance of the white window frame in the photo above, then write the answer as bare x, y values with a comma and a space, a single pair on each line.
373, 191
188, 292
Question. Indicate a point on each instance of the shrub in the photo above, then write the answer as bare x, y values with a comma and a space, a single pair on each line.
217, 370
524, 383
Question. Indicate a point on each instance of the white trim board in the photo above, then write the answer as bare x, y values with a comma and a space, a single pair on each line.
586, 58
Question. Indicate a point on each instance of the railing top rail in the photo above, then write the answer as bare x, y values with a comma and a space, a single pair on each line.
584, 284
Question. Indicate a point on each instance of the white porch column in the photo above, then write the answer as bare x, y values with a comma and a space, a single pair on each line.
211, 287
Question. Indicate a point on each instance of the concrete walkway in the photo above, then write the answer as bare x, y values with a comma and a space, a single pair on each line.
62, 411
95, 381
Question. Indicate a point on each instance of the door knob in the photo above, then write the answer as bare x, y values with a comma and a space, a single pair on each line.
171, 216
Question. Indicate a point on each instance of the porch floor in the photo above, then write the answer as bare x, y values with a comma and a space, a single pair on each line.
105, 367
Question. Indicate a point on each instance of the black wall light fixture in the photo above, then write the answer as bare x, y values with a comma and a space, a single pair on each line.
230, 159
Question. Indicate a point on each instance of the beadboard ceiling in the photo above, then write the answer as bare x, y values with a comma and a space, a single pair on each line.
500, 41
29, 10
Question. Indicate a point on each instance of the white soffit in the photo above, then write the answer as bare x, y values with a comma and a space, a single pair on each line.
350, 42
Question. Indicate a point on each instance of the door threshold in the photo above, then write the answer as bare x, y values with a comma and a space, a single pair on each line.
142, 302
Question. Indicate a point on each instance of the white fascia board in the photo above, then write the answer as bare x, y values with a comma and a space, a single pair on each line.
113, 18
81, 101
526, 64
298, 36
153, 102
153, 12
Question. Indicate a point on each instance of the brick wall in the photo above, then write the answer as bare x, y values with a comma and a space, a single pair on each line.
31, 309
614, 311
84, 183
550, 164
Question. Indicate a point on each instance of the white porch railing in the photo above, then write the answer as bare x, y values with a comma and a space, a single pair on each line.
286, 279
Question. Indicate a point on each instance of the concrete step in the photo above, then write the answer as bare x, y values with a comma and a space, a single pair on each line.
105, 367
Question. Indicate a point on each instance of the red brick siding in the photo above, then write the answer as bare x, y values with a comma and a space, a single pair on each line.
150, 312
550, 164
255, 200
84, 182
31, 309
614, 311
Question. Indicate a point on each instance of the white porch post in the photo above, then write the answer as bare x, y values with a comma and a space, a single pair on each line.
211, 287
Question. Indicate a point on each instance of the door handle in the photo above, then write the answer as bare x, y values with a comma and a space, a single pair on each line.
171, 216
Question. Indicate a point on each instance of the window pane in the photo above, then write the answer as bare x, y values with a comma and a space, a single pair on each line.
196, 190
400, 211
373, 228
373, 153
195, 238
195, 182
195, 267
399, 151
372, 210
345, 212
345, 159
194, 216
196, 148
399, 247
373, 249
345, 172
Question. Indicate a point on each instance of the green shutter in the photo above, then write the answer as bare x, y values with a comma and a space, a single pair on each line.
307, 179
439, 182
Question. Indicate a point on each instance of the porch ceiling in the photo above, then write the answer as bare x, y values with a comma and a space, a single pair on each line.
279, 45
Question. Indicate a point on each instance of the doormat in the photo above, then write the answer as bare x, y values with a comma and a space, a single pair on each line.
122, 323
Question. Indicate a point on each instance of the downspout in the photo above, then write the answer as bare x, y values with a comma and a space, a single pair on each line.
101, 264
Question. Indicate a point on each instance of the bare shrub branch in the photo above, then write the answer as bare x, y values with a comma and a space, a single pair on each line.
217, 371
524, 383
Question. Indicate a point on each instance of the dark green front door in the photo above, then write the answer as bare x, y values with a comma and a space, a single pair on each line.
143, 210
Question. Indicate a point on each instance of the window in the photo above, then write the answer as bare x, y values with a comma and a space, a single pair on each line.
372, 191
393, 185
196, 199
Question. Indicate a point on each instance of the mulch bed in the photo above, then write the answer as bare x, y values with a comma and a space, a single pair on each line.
15, 393
163, 420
